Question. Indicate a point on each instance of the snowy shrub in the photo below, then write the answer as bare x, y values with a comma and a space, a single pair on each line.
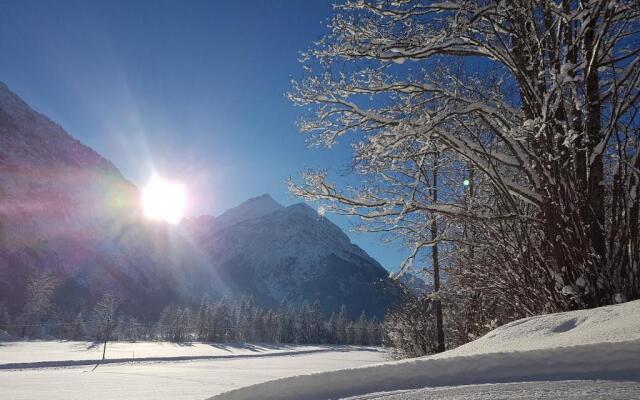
409, 329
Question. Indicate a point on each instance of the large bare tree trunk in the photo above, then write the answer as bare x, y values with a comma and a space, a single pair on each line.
595, 210
437, 302
436, 265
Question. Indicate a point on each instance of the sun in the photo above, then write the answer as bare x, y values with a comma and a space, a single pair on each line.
164, 200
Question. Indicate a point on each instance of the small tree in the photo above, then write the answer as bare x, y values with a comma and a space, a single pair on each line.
106, 318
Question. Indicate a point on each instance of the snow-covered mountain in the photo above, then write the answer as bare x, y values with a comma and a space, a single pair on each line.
412, 282
67, 210
278, 253
255, 207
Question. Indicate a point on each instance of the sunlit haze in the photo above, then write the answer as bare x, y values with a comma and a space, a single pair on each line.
164, 200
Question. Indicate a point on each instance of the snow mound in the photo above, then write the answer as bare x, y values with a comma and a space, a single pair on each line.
602, 343
610, 324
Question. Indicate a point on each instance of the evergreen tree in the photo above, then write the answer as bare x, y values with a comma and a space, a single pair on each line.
342, 325
332, 329
361, 330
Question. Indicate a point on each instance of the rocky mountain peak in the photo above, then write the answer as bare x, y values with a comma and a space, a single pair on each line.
255, 207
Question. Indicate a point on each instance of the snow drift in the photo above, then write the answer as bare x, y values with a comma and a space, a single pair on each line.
602, 343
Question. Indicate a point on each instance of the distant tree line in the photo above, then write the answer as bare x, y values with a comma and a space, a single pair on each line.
224, 321
220, 321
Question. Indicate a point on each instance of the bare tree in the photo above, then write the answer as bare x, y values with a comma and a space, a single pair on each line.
106, 318
545, 129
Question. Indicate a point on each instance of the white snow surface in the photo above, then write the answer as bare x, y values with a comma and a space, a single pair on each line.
30, 354
565, 390
611, 324
165, 377
597, 344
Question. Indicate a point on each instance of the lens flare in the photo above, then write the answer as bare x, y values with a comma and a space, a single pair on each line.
163, 200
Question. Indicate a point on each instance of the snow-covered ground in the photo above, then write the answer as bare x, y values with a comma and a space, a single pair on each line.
552, 390
30, 354
531, 356
591, 354
54, 370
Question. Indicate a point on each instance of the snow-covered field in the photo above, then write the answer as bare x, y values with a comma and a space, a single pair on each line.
597, 351
55, 370
21, 354
591, 354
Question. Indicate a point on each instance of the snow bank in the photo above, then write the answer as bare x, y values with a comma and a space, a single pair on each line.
602, 343
612, 324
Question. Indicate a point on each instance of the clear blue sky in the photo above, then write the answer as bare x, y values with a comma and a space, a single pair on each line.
191, 89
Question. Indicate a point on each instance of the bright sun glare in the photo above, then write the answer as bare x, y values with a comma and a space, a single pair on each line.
164, 200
